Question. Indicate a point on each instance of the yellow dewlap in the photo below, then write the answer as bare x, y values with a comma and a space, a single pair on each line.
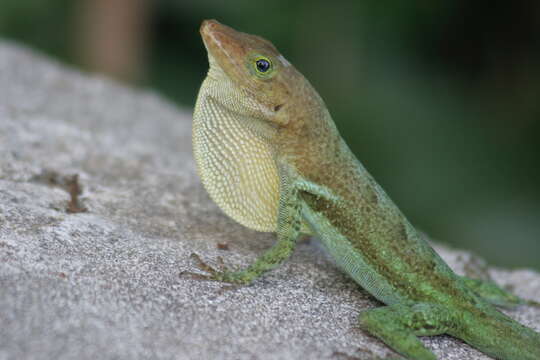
236, 167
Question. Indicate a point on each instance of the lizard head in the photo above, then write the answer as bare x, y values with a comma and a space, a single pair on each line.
242, 111
254, 66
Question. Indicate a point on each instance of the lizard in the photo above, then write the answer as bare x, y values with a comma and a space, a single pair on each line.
271, 157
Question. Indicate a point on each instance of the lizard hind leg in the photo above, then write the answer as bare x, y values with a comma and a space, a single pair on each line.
492, 293
399, 325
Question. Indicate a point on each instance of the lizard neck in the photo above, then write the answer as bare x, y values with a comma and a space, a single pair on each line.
310, 141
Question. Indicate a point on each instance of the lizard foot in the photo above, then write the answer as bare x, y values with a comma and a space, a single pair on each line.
496, 295
532, 303
203, 266
223, 274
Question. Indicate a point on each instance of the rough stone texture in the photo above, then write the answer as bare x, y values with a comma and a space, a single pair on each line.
105, 283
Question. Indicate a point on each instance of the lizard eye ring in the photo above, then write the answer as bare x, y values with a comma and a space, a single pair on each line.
262, 65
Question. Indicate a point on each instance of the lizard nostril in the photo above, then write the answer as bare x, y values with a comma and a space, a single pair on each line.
209, 25
277, 107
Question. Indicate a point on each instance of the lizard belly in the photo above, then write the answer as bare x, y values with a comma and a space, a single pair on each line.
349, 258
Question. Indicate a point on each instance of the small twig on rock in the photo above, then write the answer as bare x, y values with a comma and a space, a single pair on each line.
68, 183
74, 190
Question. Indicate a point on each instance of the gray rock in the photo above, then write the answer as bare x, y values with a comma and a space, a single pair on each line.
104, 283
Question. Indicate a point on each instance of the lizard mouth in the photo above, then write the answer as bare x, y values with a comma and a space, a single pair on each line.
209, 28
223, 43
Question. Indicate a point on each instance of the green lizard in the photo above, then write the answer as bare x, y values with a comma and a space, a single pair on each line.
271, 157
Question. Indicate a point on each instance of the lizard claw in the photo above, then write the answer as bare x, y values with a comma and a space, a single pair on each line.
211, 273
236, 278
202, 265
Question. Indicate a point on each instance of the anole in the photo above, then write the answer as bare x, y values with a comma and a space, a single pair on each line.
271, 157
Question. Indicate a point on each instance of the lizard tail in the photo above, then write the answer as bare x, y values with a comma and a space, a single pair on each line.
499, 336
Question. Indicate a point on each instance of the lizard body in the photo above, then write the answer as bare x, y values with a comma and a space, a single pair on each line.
270, 155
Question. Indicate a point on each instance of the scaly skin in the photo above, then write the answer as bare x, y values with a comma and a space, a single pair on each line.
271, 157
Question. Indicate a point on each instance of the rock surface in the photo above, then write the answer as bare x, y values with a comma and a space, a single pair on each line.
99, 278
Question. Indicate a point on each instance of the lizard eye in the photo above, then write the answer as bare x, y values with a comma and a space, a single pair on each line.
262, 65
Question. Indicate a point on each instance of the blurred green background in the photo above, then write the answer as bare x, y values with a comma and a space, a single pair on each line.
439, 99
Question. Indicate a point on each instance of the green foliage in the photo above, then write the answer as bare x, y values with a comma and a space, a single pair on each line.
41, 24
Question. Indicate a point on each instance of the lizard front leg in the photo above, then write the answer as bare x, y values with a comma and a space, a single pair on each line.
288, 231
